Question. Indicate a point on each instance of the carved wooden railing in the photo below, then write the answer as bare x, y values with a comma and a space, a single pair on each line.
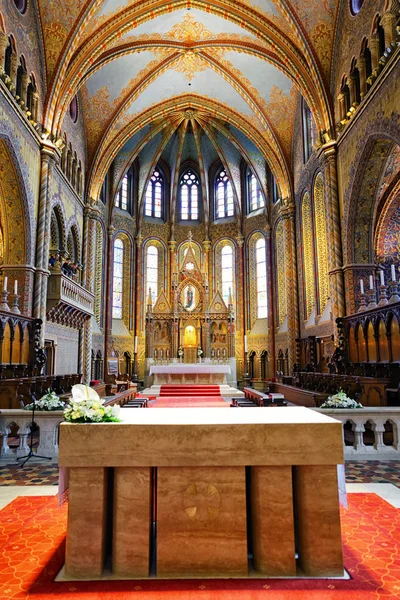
68, 302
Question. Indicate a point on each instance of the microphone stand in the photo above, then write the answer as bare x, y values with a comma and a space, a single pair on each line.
31, 453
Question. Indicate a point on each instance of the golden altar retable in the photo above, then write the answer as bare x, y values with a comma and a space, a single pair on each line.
191, 492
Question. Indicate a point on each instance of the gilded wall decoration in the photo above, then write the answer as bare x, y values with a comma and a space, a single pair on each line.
308, 254
321, 240
99, 274
15, 224
280, 272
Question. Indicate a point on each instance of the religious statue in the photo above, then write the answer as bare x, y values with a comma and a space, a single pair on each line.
189, 297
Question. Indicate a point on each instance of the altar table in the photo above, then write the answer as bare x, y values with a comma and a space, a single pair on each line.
189, 492
190, 373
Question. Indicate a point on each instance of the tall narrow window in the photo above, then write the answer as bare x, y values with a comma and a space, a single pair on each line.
154, 196
307, 131
223, 196
261, 277
121, 200
152, 272
189, 185
227, 272
117, 279
254, 193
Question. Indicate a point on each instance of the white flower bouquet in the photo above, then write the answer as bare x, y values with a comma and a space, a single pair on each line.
340, 400
49, 401
86, 406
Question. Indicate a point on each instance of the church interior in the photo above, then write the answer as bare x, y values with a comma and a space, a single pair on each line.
204, 193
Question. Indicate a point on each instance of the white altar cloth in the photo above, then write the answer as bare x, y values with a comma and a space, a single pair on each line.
179, 369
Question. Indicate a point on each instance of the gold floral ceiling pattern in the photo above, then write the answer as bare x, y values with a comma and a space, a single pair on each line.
242, 61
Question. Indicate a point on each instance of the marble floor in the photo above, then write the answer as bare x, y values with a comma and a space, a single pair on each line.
37, 479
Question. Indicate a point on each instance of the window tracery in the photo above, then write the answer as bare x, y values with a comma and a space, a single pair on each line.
189, 196
281, 272
261, 278
122, 198
224, 206
255, 198
152, 272
154, 199
118, 267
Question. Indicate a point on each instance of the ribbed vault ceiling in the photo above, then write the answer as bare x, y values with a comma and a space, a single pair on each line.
144, 63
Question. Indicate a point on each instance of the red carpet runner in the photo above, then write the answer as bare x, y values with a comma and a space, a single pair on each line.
190, 390
189, 401
32, 532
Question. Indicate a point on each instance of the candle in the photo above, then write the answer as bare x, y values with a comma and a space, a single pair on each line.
245, 343
391, 268
361, 286
136, 345
5, 283
382, 278
371, 282
15, 287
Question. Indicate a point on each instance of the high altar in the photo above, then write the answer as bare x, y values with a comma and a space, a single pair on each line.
187, 324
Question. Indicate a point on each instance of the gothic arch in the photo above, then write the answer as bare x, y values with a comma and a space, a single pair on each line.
361, 193
14, 209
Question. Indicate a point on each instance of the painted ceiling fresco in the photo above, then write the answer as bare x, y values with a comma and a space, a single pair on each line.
144, 63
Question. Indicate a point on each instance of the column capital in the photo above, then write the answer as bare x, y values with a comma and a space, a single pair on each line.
207, 245
110, 231
139, 240
172, 245
240, 240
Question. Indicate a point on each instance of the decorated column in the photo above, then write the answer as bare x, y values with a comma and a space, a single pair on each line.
334, 234
287, 214
50, 156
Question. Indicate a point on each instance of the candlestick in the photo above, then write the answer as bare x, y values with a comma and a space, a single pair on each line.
15, 287
393, 272
361, 286
5, 283
363, 302
371, 282
4, 304
383, 294
382, 278
245, 343
394, 292
372, 298
15, 307
135, 348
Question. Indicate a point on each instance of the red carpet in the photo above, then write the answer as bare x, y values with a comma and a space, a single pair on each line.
189, 401
190, 390
32, 532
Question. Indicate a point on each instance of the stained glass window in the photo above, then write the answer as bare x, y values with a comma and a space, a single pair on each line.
226, 272
189, 185
121, 199
118, 279
255, 195
152, 272
154, 196
223, 196
261, 278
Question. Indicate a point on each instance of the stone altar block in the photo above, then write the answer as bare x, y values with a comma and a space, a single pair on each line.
210, 482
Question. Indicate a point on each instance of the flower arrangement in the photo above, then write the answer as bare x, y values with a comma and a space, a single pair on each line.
49, 401
340, 400
86, 406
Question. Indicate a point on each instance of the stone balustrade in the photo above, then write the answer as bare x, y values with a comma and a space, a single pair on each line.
368, 433
15, 428
47, 422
